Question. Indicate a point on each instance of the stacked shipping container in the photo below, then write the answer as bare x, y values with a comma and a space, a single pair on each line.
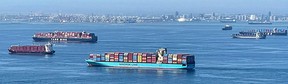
140, 58
64, 35
28, 49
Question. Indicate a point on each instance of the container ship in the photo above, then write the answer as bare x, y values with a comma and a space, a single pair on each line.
32, 49
265, 22
228, 20
227, 27
160, 59
275, 32
65, 36
257, 35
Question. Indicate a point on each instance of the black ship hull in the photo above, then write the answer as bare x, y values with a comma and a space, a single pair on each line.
227, 28
14, 52
268, 33
268, 23
39, 39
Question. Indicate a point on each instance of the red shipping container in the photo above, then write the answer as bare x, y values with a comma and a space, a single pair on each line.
144, 57
130, 55
165, 59
111, 57
32, 49
179, 61
153, 59
24, 48
91, 56
36, 48
179, 56
116, 56
27, 48
149, 59
41, 48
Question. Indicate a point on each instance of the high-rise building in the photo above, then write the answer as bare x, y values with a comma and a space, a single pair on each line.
269, 16
176, 14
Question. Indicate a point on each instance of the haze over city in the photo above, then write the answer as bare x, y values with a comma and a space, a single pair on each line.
144, 7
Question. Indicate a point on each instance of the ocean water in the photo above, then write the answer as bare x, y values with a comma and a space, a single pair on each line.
219, 58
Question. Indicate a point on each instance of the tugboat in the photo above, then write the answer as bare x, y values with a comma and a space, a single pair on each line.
60, 36
31, 49
257, 35
160, 59
273, 32
227, 27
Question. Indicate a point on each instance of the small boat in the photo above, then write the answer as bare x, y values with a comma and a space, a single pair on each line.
227, 27
31, 49
257, 35
160, 59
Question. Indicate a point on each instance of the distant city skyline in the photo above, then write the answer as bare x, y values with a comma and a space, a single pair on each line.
144, 7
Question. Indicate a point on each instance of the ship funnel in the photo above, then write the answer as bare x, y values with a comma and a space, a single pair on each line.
258, 34
160, 53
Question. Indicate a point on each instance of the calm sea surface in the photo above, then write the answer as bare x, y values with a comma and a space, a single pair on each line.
219, 58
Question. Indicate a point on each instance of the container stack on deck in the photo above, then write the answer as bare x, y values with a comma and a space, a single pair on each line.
267, 31
28, 49
139, 58
64, 35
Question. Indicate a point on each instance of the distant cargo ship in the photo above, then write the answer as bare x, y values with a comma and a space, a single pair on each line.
227, 27
160, 59
65, 36
257, 35
228, 20
32, 49
275, 32
257, 22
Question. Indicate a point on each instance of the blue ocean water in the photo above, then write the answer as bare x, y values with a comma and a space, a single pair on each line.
219, 58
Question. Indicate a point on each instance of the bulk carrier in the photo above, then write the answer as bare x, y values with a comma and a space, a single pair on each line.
160, 59
32, 49
60, 36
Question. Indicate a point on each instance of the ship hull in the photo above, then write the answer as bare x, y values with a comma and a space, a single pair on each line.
268, 23
144, 65
268, 33
14, 52
248, 37
39, 39
227, 28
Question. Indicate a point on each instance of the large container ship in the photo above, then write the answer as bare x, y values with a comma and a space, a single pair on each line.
160, 59
275, 32
257, 35
65, 36
32, 49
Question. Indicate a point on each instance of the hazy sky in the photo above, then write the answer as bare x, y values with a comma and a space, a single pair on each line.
144, 6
